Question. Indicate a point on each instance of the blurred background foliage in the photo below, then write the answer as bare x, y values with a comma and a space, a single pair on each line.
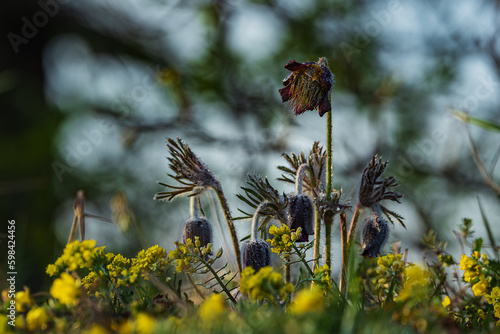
95, 87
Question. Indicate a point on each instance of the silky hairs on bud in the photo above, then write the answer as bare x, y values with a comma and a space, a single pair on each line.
301, 214
375, 235
197, 227
257, 254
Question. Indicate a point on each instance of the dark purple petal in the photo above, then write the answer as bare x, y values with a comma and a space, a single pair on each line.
285, 93
292, 65
325, 106
326, 82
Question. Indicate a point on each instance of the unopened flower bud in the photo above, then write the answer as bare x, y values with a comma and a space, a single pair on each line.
257, 254
197, 227
301, 214
375, 234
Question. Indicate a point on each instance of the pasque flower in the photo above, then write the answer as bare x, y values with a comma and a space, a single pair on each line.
375, 235
308, 86
373, 188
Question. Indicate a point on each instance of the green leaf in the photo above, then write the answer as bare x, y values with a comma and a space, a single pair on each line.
476, 246
482, 123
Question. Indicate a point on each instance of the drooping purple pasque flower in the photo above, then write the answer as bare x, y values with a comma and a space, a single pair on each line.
301, 214
308, 86
375, 235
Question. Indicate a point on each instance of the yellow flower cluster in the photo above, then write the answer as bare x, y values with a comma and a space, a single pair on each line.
188, 256
125, 271
323, 273
284, 239
37, 318
388, 268
212, 308
89, 282
76, 255
152, 260
416, 283
143, 324
265, 284
308, 301
66, 289
475, 272
120, 271
494, 299
23, 300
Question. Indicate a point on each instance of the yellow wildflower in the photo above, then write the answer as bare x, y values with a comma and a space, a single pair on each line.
116, 267
495, 293
89, 281
76, 255
37, 318
66, 289
127, 327
284, 238
95, 329
308, 301
416, 283
212, 308
481, 287
469, 266
265, 284
152, 260
446, 301
323, 273
23, 300
497, 310
145, 323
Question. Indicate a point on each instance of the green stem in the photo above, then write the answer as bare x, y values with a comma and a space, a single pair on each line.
329, 178
194, 286
230, 225
348, 248
317, 232
217, 278
488, 228
343, 237
303, 260
329, 158
328, 240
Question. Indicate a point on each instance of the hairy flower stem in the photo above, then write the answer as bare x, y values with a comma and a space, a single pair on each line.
343, 237
329, 179
255, 221
230, 225
317, 231
328, 239
329, 158
194, 207
347, 246
300, 177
